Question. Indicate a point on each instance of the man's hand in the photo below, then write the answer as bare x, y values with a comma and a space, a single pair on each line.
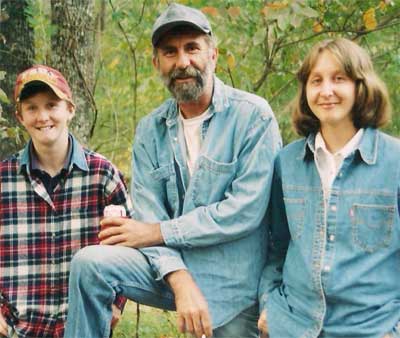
128, 232
191, 306
116, 316
3, 326
262, 325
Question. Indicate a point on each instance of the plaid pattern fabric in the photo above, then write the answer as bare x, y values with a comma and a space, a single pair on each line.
39, 234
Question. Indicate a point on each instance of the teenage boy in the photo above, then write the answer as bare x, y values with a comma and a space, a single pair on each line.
52, 196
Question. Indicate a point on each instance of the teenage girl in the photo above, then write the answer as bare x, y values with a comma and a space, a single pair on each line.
334, 251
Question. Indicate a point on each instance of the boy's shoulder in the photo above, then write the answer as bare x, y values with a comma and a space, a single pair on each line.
10, 164
96, 159
98, 164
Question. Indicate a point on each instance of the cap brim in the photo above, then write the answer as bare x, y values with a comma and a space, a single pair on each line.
60, 94
161, 31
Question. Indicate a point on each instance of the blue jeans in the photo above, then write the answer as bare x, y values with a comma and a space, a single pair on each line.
99, 273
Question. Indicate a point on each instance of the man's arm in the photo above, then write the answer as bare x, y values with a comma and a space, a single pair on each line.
243, 207
237, 215
191, 306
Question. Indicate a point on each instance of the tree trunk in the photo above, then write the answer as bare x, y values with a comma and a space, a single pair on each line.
73, 47
16, 54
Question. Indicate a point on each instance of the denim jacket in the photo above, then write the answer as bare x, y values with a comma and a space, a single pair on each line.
336, 275
211, 223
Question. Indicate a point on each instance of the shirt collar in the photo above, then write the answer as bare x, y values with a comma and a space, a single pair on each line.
365, 142
76, 155
348, 148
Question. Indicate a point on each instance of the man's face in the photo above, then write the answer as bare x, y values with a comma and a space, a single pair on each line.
186, 63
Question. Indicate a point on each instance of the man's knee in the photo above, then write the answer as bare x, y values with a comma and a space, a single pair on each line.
105, 259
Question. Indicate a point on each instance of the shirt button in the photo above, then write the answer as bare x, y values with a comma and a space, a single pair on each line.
327, 268
331, 238
340, 174
333, 208
175, 139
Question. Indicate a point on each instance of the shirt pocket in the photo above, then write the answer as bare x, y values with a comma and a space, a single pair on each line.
165, 176
211, 180
295, 213
372, 225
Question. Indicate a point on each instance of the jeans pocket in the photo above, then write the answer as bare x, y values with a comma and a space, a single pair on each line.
295, 211
372, 225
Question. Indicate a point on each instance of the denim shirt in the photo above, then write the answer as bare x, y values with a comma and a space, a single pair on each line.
337, 277
211, 223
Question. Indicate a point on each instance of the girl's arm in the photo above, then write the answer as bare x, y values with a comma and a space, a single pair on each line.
278, 239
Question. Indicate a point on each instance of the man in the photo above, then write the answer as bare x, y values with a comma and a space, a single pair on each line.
202, 166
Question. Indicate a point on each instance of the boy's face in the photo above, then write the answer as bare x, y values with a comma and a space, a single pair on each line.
46, 119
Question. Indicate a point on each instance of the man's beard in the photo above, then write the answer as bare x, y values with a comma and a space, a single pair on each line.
187, 91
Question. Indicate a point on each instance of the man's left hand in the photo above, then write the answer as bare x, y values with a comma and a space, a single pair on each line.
129, 232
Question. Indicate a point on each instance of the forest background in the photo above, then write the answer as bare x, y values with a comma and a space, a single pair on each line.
103, 48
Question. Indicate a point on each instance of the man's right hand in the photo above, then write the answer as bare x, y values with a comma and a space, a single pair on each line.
3, 326
191, 306
262, 325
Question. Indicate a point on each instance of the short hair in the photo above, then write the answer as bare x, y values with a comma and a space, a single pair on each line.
33, 88
371, 107
185, 29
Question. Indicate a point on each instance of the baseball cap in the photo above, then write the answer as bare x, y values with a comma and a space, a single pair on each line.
50, 76
179, 15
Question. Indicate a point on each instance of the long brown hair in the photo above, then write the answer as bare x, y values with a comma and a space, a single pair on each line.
371, 107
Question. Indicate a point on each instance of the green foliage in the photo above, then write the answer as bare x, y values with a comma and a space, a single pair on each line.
261, 46
38, 14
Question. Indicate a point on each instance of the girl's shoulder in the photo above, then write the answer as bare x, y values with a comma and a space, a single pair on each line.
389, 139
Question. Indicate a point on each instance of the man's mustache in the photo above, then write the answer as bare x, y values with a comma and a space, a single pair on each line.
180, 73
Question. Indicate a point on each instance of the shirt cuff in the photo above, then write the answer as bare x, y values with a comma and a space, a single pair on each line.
171, 233
167, 264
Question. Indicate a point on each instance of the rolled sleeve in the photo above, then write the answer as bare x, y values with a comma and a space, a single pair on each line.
171, 234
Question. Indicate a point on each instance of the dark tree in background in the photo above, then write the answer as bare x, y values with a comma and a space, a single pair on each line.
16, 54
73, 48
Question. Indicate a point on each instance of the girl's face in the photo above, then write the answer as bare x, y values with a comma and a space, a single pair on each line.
330, 93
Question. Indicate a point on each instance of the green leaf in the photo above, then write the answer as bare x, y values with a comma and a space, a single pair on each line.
2, 75
259, 36
296, 20
3, 97
306, 11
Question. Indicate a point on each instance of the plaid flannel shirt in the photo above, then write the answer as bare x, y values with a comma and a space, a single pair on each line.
40, 233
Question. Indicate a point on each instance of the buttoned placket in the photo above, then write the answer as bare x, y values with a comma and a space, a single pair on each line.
51, 230
327, 240
180, 163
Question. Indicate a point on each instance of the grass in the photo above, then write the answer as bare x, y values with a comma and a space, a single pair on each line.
153, 323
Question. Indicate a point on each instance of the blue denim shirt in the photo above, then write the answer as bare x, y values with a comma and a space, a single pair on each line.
338, 277
211, 223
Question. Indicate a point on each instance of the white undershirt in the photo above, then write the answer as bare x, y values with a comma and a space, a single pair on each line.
329, 164
192, 132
